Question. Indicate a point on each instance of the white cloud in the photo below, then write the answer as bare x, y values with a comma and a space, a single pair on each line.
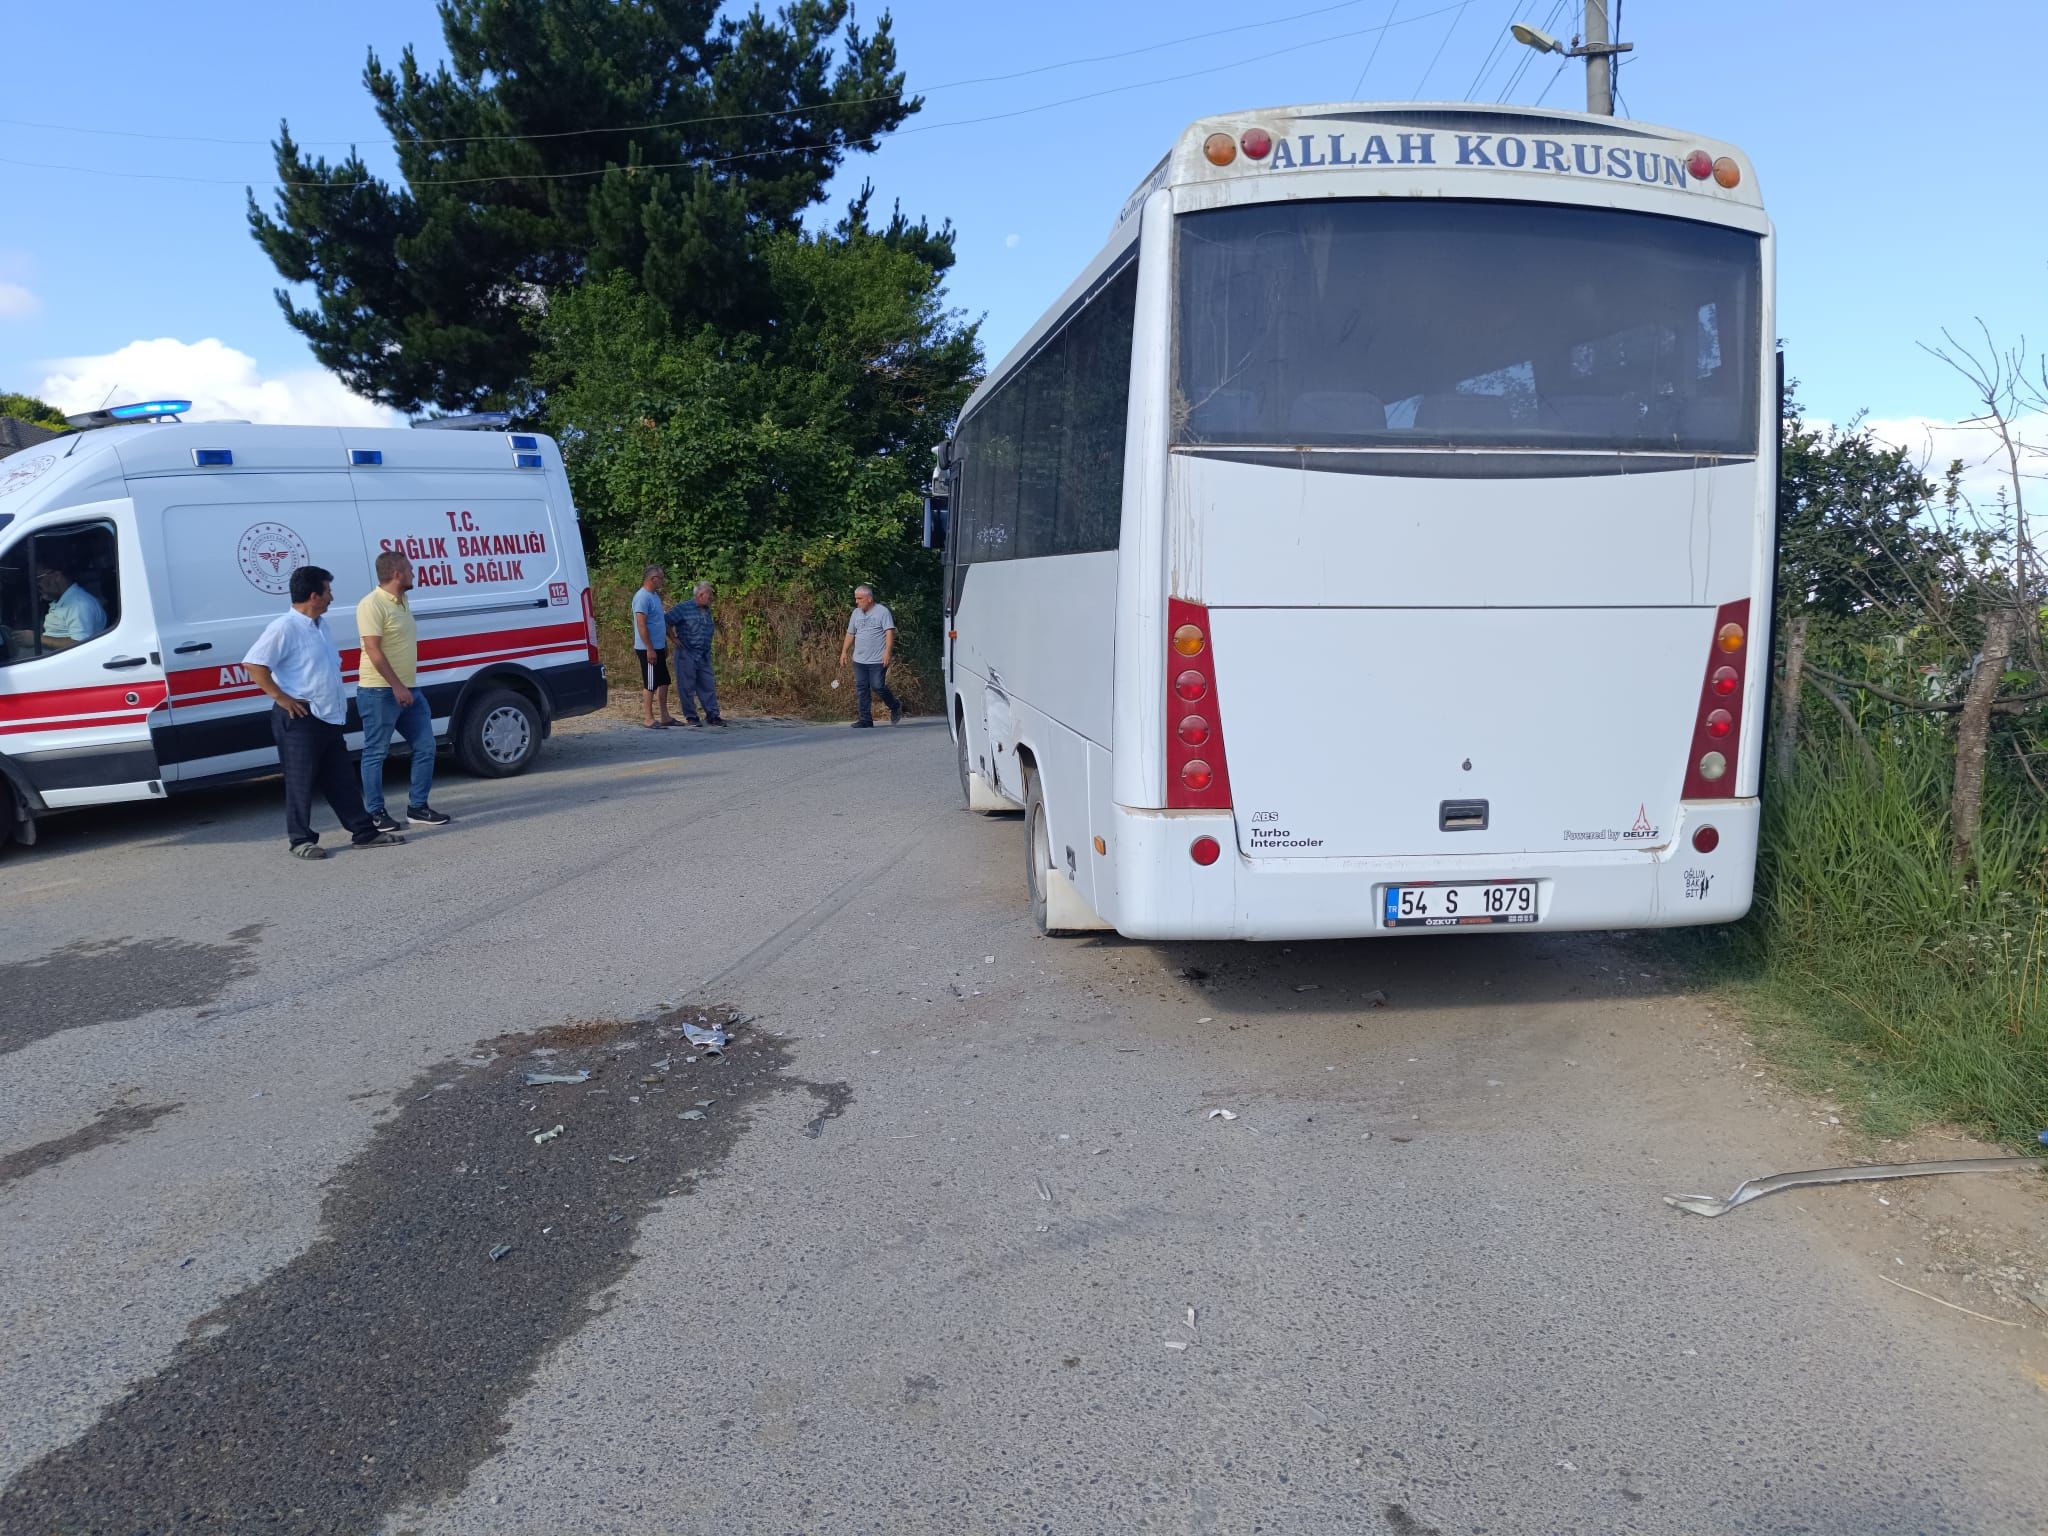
1936, 443
221, 383
17, 302
1012, 241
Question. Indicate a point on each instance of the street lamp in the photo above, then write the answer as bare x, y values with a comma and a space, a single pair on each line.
1596, 50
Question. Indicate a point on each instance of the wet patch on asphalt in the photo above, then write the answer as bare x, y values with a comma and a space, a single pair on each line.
104, 981
104, 1129
373, 1372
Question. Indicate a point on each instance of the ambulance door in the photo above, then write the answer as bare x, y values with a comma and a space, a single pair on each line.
81, 670
489, 588
225, 549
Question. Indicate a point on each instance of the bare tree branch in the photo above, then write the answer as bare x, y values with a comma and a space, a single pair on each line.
2007, 705
1849, 720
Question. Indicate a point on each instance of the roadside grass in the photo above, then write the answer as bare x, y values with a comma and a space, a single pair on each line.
776, 654
1873, 972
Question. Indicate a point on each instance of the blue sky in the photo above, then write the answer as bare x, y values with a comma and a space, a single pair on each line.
1894, 145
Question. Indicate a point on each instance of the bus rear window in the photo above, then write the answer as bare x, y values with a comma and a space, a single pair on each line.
1401, 322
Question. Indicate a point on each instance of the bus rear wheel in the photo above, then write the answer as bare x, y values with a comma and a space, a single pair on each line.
1037, 846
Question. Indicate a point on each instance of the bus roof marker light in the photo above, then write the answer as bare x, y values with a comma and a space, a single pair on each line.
1219, 148
1256, 143
1699, 165
1727, 173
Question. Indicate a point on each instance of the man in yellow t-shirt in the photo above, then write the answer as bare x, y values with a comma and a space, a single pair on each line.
386, 698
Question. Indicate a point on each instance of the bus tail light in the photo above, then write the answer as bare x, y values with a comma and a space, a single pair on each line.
1197, 777
1717, 722
1205, 851
589, 624
1706, 840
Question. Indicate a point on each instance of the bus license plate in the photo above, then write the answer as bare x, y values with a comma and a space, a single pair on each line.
1461, 906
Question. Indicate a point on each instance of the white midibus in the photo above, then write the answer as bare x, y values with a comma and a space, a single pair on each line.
1377, 537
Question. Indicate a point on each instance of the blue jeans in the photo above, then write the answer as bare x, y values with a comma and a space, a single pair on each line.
381, 717
693, 681
870, 677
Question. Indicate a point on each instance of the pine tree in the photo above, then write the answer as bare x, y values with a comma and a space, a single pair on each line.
569, 139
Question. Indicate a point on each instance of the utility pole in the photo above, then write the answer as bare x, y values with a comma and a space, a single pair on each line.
1599, 61
1593, 46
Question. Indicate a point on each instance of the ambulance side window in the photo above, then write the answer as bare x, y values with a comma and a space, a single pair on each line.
59, 588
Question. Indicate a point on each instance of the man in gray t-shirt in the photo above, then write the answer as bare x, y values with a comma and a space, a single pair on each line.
870, 643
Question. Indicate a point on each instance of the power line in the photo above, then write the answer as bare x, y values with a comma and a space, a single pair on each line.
1552, 81
1529, 55
1500, 41
1360, 85
1440, 50
797, 111
712, 162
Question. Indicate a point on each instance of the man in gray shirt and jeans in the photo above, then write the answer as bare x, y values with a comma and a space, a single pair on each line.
870, 642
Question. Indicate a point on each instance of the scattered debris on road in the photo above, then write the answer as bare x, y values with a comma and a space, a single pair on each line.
542, 1137
1756, 1189
1175, 1345
535, 1079
500, 1251
1222, 1114
691, 1114
626, 1161
1376, 998
711, 1040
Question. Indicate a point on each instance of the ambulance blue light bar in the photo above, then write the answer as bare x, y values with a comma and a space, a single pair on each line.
121, 415
212, 458
525, 443
526, 460
366, 456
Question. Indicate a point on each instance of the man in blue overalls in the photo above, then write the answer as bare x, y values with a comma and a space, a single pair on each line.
693, 627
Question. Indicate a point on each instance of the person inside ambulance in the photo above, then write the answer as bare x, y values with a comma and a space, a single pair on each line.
74, 615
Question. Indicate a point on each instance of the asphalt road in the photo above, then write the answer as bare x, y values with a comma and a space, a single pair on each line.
945, 1240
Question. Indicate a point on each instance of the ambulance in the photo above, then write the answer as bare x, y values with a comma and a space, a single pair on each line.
141, 556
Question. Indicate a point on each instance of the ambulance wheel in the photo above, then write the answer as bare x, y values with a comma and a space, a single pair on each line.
1037, 846
500, 735
19, 824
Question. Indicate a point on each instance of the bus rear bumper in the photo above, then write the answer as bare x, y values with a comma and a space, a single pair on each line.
1161, 893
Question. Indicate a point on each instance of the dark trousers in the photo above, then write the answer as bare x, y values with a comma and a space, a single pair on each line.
693, 682
314, 755
870, 677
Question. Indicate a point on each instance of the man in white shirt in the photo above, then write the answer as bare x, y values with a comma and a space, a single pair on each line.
74, 615
295, 662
